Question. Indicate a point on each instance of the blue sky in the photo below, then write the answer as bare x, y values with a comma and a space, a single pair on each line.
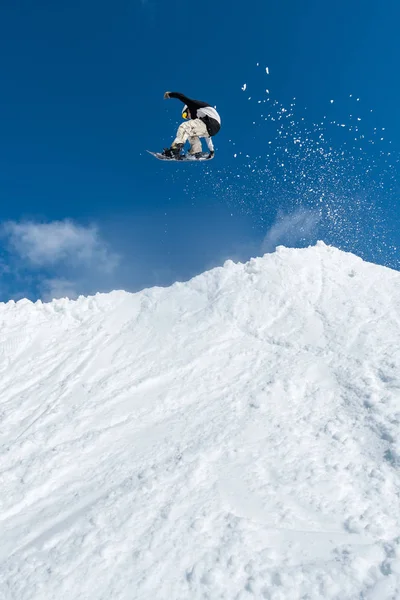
309, 146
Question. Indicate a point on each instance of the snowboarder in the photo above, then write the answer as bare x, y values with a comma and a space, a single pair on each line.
202, 121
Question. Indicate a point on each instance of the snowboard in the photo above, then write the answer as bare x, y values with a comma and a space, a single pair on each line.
181, 157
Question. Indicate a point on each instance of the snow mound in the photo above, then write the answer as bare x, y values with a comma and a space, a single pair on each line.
235, 436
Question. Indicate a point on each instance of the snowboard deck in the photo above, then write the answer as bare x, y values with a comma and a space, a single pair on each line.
182, 157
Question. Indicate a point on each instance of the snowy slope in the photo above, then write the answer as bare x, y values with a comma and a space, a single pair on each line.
235, 437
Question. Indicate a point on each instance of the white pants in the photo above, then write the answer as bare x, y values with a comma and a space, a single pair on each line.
193, 130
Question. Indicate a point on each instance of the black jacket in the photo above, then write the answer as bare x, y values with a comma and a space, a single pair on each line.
201, 110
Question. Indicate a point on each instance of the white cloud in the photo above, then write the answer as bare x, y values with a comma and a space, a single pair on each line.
55, 259
46, 244
290, 229
58, 288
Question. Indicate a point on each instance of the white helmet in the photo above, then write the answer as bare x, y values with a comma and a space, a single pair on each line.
185, 112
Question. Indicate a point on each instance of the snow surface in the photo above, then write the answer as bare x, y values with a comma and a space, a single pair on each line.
235, 436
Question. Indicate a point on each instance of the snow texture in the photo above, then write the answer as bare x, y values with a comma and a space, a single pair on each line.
232, 437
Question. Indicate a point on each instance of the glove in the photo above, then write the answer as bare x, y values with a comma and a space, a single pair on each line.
166, 95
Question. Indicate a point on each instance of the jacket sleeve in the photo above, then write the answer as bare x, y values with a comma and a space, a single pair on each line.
192, 104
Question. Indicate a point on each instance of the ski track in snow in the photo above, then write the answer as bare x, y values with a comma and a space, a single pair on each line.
232, 437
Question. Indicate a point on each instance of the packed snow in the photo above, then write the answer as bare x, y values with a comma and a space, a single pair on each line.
232, 437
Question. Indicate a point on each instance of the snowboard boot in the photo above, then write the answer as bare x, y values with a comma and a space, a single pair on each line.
174, 151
